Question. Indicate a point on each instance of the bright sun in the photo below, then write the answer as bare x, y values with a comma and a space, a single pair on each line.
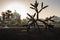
19, 8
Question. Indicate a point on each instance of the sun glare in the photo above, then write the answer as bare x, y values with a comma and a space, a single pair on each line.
19, 8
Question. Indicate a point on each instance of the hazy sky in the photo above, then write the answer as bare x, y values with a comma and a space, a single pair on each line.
53, 9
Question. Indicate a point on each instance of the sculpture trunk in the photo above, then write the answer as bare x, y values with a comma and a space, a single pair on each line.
37, 16
37, 13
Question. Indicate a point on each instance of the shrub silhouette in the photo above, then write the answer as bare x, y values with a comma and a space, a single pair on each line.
6, 17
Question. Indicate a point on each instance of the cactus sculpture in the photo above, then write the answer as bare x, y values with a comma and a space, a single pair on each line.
49, 19
34, 21
35, 7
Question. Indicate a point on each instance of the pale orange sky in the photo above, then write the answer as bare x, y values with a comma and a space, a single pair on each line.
23, 7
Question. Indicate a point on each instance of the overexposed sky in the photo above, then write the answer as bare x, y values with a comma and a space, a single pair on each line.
23, 7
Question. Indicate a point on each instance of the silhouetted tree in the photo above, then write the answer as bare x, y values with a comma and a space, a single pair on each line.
24, 22
6, 17
8, 14
3, 16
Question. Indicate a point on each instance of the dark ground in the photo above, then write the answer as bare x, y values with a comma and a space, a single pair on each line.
19, 34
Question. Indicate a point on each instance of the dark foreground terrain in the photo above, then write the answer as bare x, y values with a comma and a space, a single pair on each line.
19, 34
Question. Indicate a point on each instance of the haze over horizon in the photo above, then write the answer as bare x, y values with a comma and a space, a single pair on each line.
23, 7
